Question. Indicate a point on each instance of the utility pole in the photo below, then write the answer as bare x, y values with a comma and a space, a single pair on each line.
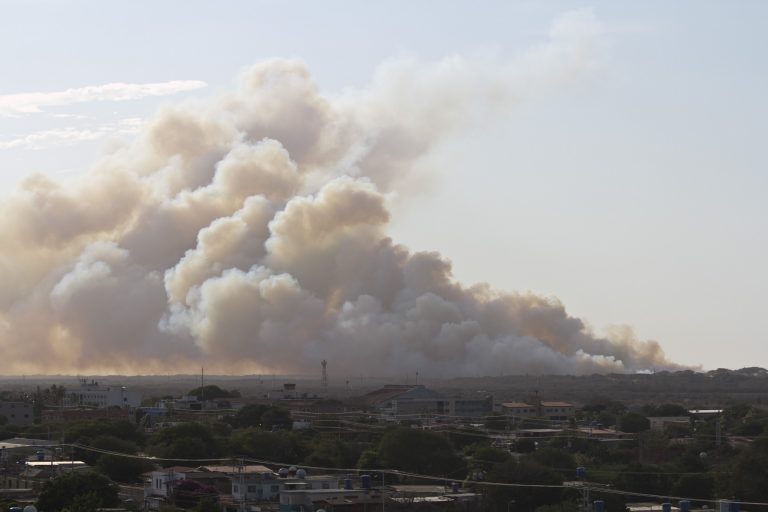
241, 481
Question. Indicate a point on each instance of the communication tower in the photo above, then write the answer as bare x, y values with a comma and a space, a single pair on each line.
324, 381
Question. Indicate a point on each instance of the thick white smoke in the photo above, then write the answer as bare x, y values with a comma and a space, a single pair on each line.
249, 233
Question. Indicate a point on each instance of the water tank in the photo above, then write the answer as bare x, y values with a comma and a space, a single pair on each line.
348, 483
454, 487
292, 471
282, 472
581, 472
30, 508
599, 506
666, 507
733, 506
40, 454
725, 506
365, 481
685, 506
301, 473
14, 509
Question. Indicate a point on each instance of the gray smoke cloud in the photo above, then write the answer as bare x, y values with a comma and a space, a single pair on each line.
248, 232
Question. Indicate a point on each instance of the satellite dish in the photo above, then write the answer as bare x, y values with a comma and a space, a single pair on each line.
30, 508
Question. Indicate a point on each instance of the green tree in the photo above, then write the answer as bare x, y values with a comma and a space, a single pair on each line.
748, 473
210, 392
123, 469
185, 441
695, 486
369, 459
664, 410
275, 417
88, 502
633, 423
332, 452
524, 471
419, 451
85, 431
61, 492
250, 415
280, 446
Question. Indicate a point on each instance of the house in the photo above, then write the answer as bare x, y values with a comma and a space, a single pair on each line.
248, 482
17, 414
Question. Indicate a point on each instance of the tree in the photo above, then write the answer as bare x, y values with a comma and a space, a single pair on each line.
275, 417
664, 410
210, 392
633, 423
123, 469
331, 452
250, 415
419, 451
61, 492
748, 473
281, 446
85, 431
185, 441
525, 471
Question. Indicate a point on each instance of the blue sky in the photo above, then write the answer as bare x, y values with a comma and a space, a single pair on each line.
636, 195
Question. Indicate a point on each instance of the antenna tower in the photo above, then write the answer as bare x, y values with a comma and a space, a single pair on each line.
324, 381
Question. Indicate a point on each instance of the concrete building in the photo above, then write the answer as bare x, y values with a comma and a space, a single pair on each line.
664, 422
93, 394
552, 411
395, 401
17, 414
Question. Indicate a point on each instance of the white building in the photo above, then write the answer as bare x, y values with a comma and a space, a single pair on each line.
93, 394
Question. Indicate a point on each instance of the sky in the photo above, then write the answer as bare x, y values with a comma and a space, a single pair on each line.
633, 193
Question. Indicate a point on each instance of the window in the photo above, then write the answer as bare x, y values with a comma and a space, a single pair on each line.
274, 488
251, 488
236, 488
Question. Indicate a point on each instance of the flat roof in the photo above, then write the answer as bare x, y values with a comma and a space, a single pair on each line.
48, 463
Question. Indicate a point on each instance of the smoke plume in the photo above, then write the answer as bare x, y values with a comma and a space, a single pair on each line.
248, 232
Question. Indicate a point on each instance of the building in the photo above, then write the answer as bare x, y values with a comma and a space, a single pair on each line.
519, 410
557, 411
395, 401
347, 498
17, 414
249, 482
70, 414
92, 394
551, 411
664, 422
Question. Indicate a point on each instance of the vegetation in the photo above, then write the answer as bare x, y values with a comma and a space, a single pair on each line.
78, 492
